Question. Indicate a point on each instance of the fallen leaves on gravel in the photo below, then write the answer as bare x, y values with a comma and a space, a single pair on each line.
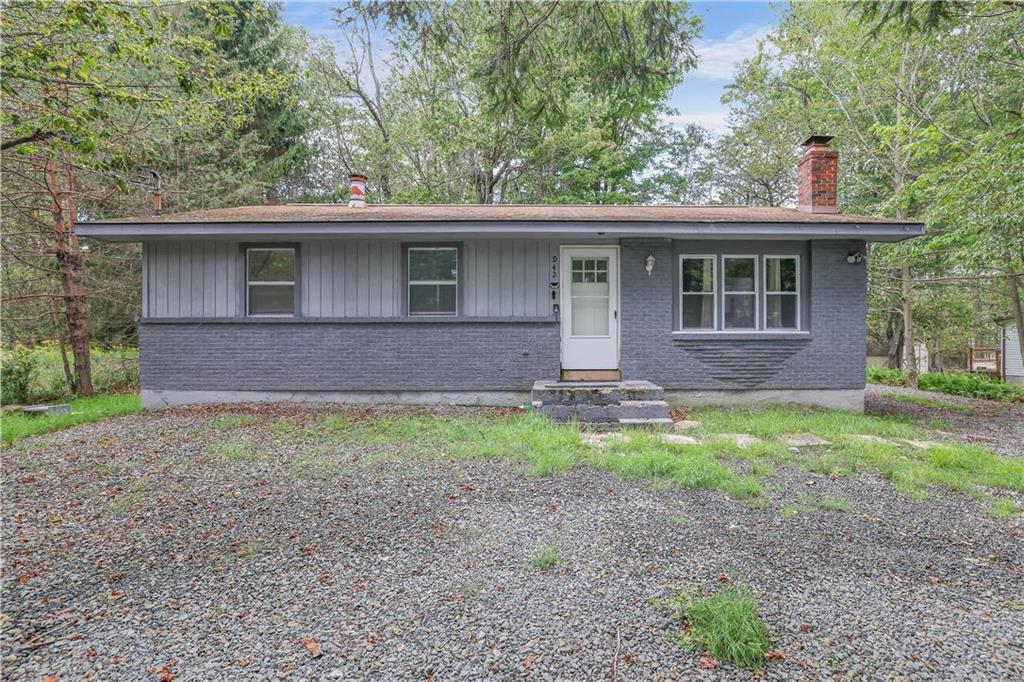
312, 646
707, 663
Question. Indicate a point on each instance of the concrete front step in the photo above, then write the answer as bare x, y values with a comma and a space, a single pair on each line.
595, 392
626, 409
603, 404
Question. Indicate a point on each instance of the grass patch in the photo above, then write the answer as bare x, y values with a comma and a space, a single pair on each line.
317, 466
230, 451
836, 504
926, 401
136, 494
83, 410
546, 556
1002, 508
726, 625
249, 548
547, 447
234, 421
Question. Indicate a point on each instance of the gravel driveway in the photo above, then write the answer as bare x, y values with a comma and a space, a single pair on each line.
999, 426
132, 552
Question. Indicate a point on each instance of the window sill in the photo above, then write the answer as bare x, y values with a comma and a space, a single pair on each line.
740, 336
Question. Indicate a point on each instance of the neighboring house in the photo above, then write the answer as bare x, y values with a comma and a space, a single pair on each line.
1012, 366
472, 303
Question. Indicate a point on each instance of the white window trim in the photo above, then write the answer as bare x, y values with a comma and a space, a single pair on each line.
409, 281
798, 294
248, 283
713, 329
756, 292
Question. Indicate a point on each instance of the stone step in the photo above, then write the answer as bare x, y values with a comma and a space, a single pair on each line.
587, 413
661, 424
595, 392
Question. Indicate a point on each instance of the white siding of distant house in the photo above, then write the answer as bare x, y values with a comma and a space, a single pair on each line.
348, 278
1013, 367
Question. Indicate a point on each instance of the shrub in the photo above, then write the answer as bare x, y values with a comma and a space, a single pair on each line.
971, 386
15, 377
884, 375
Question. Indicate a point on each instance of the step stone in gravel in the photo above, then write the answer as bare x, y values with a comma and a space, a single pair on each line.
603, 440
742, 440
803, 439
678, 439
686, 425
921, 444
869, 438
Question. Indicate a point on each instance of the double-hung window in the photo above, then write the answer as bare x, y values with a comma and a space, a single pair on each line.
782, 292
733, 293
739, 279
433, 280
270, 281
697, 292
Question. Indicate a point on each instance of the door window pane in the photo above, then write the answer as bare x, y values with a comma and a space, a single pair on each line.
433, 280
589, 293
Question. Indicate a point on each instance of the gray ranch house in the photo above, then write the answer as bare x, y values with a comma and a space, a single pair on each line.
477, 303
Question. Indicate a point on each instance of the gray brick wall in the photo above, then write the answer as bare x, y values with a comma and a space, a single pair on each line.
308, 356
831, 357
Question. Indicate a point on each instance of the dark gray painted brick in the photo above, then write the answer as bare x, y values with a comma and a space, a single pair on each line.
831, 357
347, 357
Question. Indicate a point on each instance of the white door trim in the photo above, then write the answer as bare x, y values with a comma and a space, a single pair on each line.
612, 344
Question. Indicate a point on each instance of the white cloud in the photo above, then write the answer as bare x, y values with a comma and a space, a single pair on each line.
715, 121
718, 58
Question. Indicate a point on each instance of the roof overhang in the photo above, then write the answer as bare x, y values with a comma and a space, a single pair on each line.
138, 232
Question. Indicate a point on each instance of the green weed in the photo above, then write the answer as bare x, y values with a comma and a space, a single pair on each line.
727, 626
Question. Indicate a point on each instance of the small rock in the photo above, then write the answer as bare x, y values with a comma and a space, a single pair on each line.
871, 439
686, 425
922, 444
677, 439
803, 439
742, 440
602, 440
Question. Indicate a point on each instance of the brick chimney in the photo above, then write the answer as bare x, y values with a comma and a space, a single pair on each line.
357, 191
817, 176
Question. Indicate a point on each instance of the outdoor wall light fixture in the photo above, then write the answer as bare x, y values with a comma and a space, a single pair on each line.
649, 264
855, 257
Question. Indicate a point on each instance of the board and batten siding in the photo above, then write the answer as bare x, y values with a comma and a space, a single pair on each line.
348, 278
1013, 365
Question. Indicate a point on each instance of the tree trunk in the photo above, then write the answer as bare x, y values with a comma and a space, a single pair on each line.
69, 264
909, 362
894, 339
1018, 310
58, 328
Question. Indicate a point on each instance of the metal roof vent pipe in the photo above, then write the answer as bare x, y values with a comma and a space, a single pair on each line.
357, 191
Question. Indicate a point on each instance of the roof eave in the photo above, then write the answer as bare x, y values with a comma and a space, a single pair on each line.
134, 232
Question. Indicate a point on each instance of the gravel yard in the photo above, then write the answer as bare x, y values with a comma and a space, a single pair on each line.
201, 545
999, 426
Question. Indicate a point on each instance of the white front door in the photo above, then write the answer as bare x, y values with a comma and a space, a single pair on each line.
590, 307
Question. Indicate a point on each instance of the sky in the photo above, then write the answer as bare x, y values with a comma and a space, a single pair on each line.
730, 34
